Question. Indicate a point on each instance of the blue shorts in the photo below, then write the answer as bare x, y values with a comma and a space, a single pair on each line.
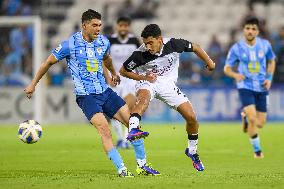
107, 102
259, 99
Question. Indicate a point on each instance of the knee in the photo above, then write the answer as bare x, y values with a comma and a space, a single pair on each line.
261, 123
252, 119
191, 120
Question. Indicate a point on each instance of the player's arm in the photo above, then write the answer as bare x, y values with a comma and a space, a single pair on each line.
127, 71
42, 70
271, 64
231, 60
210, 65
107, 62
230, 73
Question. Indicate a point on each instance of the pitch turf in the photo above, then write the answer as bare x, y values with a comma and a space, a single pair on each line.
72, 157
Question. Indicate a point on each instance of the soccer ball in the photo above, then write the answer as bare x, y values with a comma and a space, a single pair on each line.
29, 131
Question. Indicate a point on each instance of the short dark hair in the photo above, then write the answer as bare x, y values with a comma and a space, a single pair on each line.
124, 19
251, 20
152, 30
90, 14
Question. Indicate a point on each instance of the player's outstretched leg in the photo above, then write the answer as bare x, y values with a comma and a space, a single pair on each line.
186, 110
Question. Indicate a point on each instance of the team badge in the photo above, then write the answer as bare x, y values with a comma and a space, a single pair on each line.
99, 51
260, 54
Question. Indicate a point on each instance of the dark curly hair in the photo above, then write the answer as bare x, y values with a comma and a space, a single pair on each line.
90, 14
152, 30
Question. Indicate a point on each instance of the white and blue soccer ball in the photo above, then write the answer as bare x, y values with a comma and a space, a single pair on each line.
29, 131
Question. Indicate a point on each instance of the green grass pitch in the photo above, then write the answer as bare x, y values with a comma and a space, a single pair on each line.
72, 157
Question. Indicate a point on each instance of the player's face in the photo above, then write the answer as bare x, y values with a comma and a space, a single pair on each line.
250, 31
153, 44
92, 28
122, 28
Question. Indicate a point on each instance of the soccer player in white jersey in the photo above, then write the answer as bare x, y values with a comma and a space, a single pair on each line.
155, 66
86, 52
255, 61
122, 44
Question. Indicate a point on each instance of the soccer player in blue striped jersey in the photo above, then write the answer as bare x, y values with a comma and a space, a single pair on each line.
255, 61
86, 52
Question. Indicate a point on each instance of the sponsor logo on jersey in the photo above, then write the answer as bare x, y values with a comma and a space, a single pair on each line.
90, 53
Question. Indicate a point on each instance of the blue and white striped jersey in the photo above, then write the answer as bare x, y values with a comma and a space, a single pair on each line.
252, 62
84, 60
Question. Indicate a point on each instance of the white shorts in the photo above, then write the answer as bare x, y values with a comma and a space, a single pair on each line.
126, 87
166, 91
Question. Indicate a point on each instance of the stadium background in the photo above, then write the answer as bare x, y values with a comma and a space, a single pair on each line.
214, 24
70, 154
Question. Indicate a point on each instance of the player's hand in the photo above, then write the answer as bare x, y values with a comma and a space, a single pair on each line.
151, 77
115, 80
267, 84
210, 67
29, 90
239, 77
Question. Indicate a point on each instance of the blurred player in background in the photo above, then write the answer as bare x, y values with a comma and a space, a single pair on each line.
156, 69
86, 52
122, 44
255, 62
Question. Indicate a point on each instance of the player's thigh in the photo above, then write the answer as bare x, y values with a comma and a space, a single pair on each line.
250, 111
89, 105
247, 98
112, 104
122, 115
171, 95
187, 112
130, 100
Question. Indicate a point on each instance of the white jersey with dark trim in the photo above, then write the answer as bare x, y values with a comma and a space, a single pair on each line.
164, 64
121, 49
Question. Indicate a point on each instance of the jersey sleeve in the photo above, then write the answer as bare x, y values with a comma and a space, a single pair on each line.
107, 52
232, 57
269, 54
62, 51
181, 45
130, 64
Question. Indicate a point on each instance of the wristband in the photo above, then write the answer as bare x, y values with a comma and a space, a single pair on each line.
269, 76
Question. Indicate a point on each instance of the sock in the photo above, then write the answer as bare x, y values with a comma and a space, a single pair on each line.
192, 143
125, 135
140, 154
117, 128
134, 121
116, 160
255, 142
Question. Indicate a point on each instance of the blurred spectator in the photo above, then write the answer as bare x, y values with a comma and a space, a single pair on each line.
126, 9
11, 7
278, 45
146, 9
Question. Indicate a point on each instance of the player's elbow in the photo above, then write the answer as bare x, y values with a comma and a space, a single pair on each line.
226, 69
122, 71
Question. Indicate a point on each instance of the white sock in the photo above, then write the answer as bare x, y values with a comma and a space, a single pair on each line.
141, 162
133, 123
192, 146
117, 128
125, 135
121, 169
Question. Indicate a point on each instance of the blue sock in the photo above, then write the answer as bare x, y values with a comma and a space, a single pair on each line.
116, 159
139, 152
255, 143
